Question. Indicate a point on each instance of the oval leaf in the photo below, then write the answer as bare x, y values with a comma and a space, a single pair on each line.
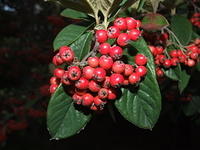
68, 35
154, 21
182, 28
82, 46
63, 120
142, 106
74, 14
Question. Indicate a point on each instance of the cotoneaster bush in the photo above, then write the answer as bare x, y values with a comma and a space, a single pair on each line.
118, 54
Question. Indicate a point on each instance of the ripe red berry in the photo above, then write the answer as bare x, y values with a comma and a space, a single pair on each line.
120, 23
94, 86
190, 63
105, 62
123, 39
65, 80
99, 102
134, 34
140, 59
153, 50
116, 80
118, 66
58, 72
159, 72
141, 71
66, 54
131, 23
138, 23
194, 55
103, 93
167, 63
112, 94
77, 98
57, 60
93, 62
104, 48
82, 83
173, 53
134, 78
161, 58
128, 69
101, 36
88, 72
74, 73
113, 32
116, 52
87, 99
182, 58
99, 74
174, 61
54, 80
53, 88
106, 82
159, 50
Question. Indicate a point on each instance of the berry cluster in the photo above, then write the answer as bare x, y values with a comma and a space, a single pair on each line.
162, 60
97, 80
195, 19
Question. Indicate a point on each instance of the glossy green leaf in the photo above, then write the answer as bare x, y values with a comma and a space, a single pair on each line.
183, 80
74, 14
182, 28
142, 106
192, 107
63, 119
82, 46
173, 73
68, 35
154, 21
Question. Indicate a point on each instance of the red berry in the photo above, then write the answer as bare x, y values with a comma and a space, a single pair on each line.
82, 83
174, 61
118, 67
116, 52
99, 74
99, 102
105, 62
101, 36
113, 32
106, 82
74, 73
80, 91
128, 69
93, 62
104, 48
112, 94
53, 88
182, 58
141, 71
123, 39
66, 54
94, 108
94, 86
57, 60
138, 23
191, 63
65, 80
116, 80
58, 72
131, 23
153, 50
103, 93
88, 72
161, 58
159, 72
54, 80
77, 98
87, 99
140, 59
120, 23
134, 34
173, 53
134, 78
159, 50
167, 63
194, 55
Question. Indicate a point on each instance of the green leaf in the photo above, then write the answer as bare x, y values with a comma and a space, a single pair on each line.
63, 119
154, 21
195, 35
193, 107
182, 28
74, 14
68, 35
173, 73
183, 80
82, 46
142, 106
79, 5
